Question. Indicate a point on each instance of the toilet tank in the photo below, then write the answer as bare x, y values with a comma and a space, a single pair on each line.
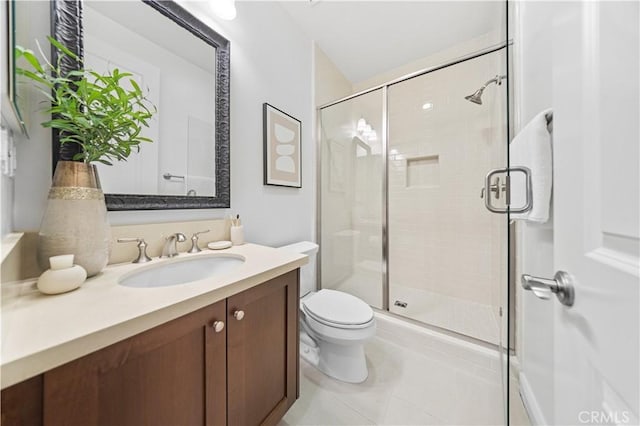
307, 272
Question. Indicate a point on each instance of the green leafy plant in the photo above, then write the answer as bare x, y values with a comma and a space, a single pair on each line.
91, 109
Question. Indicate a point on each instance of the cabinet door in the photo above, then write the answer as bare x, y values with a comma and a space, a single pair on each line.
262, 351
21, 403
173, 374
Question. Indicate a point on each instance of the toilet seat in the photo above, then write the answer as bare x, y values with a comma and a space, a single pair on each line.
337, 309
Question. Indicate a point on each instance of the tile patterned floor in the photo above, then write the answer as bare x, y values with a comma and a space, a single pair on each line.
415, 378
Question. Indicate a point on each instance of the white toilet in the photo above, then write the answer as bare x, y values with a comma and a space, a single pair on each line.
333, 325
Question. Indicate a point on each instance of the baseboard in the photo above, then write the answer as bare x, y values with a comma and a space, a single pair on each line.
530, 402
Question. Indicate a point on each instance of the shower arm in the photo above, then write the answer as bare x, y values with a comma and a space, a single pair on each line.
497, 79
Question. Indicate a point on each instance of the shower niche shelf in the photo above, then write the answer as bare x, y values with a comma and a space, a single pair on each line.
423, 171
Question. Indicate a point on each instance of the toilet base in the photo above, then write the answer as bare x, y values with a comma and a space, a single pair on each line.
309, 351
346, 363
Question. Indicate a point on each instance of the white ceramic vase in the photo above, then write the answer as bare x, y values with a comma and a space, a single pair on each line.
63, 276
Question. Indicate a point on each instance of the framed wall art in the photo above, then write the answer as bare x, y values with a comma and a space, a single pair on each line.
282, 148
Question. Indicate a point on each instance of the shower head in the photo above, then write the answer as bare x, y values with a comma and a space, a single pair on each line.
476, 97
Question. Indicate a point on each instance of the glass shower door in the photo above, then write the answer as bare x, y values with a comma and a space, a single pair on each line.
351, 191
447, 252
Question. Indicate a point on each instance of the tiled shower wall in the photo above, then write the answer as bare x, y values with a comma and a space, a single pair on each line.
447, 253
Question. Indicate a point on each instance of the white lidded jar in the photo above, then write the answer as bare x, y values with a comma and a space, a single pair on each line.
63, 276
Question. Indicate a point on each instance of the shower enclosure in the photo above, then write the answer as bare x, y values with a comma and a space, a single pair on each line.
402, 222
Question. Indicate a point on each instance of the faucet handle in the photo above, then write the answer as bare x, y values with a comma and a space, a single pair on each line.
194, 242
142, 249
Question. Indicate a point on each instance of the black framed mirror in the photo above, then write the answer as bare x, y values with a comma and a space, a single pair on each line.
175, 187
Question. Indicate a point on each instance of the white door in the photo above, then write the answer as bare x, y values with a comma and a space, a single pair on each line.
596, 211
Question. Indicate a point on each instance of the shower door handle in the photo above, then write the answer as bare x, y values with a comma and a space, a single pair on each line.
495, 187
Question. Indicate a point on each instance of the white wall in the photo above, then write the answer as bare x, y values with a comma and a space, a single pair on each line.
271, 61
532, 69
330, 83
443, 56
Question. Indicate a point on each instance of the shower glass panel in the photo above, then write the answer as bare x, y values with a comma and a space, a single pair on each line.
351, 191
447, 252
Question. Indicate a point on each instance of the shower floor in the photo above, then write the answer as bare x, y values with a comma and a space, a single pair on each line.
469, 318
472, 319
416, 377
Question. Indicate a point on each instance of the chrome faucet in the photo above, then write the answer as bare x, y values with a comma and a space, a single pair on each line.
170, 248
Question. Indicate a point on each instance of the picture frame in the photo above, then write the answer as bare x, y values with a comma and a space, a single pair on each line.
282, 138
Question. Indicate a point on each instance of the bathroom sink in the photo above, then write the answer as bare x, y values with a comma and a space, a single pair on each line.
181, 271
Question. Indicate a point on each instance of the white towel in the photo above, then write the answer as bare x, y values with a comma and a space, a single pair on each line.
532, 148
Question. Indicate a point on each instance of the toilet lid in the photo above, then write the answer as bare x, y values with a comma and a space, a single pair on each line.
338, 308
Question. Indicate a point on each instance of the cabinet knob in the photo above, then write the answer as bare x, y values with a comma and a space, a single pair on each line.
218, 326
238, 315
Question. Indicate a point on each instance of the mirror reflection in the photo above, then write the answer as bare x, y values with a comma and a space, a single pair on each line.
17, 29
178, 71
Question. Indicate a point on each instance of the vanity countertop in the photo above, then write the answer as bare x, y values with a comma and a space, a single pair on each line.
42, 332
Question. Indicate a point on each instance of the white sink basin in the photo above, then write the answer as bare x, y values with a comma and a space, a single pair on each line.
181, 271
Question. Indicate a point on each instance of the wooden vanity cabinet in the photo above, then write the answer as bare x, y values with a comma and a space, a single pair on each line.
262, 352
21, 403
173, 374
183, 372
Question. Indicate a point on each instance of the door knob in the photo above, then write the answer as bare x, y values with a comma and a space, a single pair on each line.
561, 285
238, 315
218, 326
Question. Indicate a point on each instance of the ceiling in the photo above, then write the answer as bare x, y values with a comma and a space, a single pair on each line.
366, 38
